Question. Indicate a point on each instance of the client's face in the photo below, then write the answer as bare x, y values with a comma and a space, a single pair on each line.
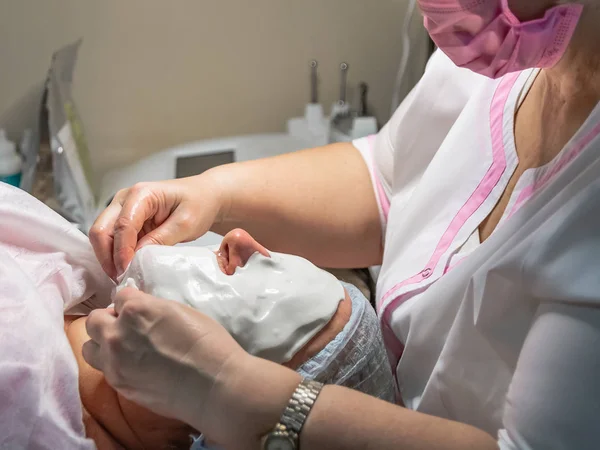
212, 279
271, 303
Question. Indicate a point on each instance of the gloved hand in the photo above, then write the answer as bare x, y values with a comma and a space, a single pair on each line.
160, 354
181, 364
164, 213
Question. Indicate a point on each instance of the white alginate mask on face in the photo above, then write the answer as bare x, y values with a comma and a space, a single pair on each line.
272, 306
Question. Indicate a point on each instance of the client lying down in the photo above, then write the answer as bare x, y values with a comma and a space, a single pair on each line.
277, 306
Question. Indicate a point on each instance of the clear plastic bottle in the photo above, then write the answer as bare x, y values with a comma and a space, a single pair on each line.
10, 161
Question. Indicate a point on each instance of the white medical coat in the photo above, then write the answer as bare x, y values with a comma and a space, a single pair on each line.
503, 335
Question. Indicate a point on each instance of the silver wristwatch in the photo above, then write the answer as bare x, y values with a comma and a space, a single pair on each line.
286, 433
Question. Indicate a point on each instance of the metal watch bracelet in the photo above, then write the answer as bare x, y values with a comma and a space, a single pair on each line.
285, 435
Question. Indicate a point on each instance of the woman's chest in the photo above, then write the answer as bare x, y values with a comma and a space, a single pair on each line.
485, 171
491, 163
542, 129
530, 154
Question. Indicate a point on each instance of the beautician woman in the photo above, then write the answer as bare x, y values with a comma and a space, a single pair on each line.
481, 200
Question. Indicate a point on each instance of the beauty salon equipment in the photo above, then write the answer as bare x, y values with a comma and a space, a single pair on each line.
312, 130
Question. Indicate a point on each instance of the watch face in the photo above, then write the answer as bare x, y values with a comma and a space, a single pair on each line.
279, 442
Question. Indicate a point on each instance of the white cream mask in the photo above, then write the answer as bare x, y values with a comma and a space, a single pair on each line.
271, 306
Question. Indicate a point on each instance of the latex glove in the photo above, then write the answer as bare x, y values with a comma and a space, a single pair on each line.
180, 363
160, 354
164, 213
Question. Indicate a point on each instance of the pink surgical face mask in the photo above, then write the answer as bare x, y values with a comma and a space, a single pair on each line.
486, 37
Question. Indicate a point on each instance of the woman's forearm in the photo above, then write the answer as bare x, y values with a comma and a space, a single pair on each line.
317, 203
346, 419
340, 418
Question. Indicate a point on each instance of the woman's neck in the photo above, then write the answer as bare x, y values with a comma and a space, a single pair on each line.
577, 75
562, 98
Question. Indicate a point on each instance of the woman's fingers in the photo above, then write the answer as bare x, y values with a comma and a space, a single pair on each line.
140, 205
102, 237
99, 324
132, 299
101, 328
175, 229
91, 353
163, 213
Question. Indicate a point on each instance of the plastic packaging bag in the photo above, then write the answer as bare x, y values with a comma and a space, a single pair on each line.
58, 171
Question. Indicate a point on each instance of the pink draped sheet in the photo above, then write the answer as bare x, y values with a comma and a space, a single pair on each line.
47, 267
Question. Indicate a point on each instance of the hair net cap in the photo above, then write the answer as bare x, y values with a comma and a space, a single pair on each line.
356, 358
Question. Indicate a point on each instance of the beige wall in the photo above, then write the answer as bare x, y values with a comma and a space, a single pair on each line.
157, 73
